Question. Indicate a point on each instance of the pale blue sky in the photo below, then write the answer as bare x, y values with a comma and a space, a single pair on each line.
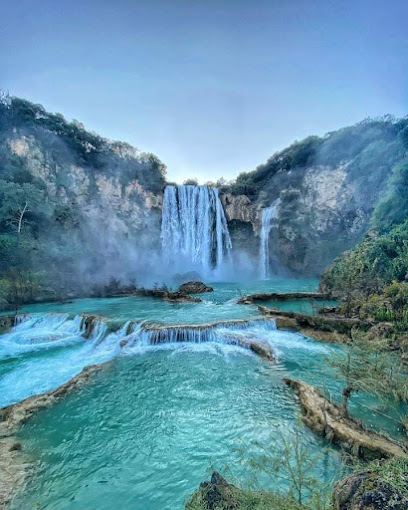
212, 87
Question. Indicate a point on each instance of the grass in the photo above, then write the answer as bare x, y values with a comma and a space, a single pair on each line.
393, 471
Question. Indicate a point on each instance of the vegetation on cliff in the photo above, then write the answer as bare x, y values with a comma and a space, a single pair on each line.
330, 190
372, 278
373, 147
57, 183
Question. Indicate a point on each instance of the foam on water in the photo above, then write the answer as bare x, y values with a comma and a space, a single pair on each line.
46, 350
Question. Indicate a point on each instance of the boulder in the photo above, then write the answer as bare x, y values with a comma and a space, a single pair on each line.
180, 297
262, 349
218, 493
194, 288
365, 490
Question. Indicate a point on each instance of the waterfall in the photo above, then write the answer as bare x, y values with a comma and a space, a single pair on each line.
194, 230
269, 216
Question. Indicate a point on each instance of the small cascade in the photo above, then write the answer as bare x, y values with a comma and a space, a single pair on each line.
269, 218
98, 333
219, 332
86, 340
49, 321
194, 229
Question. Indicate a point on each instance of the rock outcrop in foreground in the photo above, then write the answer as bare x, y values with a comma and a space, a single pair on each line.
280, 296
218, 494
365, 490
321, 327
326, 418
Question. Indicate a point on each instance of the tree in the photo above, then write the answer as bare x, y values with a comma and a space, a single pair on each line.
290, 458
364, 365
18, 201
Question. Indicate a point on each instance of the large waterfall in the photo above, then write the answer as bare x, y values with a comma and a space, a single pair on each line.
269, 217
194, 229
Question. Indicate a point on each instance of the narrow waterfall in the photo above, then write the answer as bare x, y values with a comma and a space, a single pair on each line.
269, 217
194, 229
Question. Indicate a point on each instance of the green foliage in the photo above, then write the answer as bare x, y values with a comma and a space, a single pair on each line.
299, 154
42, 222
375, 263
21, 204
365, 366
394, 471
192, 182
246, 500
390, 306
19, 287
70, 140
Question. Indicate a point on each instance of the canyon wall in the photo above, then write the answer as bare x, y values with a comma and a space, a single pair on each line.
328, 187
90, 208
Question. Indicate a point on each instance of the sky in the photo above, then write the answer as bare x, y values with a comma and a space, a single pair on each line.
213, 88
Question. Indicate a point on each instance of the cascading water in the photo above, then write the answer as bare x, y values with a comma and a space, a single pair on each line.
269, 216
217, 332
48, 349
194, 229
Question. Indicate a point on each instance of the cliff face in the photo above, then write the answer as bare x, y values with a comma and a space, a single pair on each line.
322, 213
92, 207
328, 190
95, 204
128, 208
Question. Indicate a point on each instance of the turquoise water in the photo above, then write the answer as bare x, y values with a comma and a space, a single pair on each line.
145, 431
305, 306
218, 305
40, 355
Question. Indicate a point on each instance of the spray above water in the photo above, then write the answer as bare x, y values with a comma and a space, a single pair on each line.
269, 217
194, 229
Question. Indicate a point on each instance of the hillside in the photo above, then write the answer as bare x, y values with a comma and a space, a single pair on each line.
75, 208
330, 188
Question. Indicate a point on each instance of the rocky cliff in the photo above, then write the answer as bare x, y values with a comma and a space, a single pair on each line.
328, 187
92, 207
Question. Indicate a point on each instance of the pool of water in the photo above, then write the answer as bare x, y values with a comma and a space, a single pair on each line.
305, 306
144, 433
218, 305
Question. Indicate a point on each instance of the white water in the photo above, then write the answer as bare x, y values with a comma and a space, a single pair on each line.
44, 351
194, 230
269, 217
